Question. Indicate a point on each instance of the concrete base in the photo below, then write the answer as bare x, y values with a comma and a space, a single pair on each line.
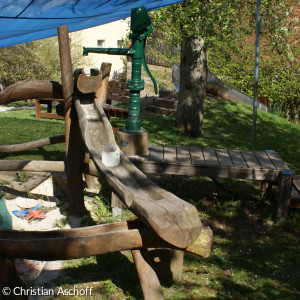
133, 143
116, 212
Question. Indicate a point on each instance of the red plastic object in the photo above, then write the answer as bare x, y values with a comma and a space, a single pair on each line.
35, 214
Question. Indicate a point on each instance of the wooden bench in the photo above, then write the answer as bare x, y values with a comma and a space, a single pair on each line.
116, 92
220, 163
48, 114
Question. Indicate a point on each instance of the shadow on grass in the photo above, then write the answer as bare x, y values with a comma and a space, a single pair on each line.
251, 258
262, 266
115, 267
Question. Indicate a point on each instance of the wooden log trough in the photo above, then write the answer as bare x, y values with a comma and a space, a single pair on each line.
168, 222
173, 219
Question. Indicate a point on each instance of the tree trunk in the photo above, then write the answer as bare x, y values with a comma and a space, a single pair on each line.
193, 72
296, 112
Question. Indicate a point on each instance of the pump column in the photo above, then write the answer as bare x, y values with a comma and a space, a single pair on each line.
133, 139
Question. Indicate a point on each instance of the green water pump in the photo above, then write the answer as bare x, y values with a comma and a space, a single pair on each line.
141, 26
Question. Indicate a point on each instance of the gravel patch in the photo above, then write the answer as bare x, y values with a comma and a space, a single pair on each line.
8, 108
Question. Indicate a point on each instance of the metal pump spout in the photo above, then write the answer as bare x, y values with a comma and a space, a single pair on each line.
141, 26
112, 51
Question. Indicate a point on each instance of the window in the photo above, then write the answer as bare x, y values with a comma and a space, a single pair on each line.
101, 43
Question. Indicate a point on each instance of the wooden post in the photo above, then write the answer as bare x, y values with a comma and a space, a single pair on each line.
101, 96
284, 195
89, 179
66, 76
75, 160
148, 279
116, 205
101, 93
37, 109
74, 144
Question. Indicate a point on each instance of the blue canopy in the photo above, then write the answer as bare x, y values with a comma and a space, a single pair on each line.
23, 21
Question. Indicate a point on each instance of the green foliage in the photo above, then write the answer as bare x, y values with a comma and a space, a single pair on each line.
210, 20
102, 207
159, 51
78, 60
38, 60
22, 126
193, 18
279, 68
21, 177
228, 28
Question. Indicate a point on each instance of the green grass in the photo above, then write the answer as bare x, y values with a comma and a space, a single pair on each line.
22, 103
21, 126
252, 258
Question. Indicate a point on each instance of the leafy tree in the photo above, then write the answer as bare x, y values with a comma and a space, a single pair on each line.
228, 29
37, 60
195, 25
281, 56
279, 67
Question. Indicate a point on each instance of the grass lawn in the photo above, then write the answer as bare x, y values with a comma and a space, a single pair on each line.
252, 258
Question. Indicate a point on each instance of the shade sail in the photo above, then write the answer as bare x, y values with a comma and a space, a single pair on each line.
23, 21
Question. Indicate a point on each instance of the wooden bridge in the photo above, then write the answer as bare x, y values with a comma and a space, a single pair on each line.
256, 165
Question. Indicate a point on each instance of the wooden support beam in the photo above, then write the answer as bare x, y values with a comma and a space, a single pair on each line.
89, 179
148, 279
43, 166
31, 89
32, 165
86, 241
284, 194
33, 144
115, 201
66, 76
167, 263
101, 94
116, 205
75, 161
74, 143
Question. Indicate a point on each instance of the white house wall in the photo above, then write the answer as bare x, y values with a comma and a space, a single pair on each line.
110, 33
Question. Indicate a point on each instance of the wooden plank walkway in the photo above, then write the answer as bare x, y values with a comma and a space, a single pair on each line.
221, 163
257, 165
